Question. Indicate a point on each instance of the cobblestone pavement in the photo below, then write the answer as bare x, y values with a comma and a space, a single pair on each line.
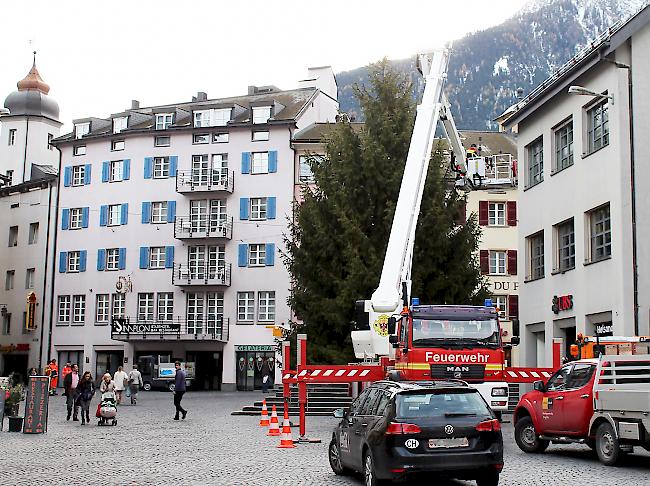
212, 447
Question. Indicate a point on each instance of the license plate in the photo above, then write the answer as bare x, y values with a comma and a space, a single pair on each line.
448, 443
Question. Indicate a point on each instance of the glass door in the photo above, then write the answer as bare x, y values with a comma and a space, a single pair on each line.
219, 169
199, 215
74, 357
218, 216
196, 261
107, 362
200, 170
195, 312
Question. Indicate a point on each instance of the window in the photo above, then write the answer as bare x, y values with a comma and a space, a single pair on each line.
120, 123
261, 114
112, 259
116, 173
50, 137
81, 129
535, 156
102, 308
220, 138
12, 136
306, 174
559, 379
9, 279
33, 234
65, 306
76, 218
74, 260
497, 214
117, 145
601, 234
118, 307
566, 246
260, 163
6, 324
195, 312
13, 236
202, 118
165, 306
221, 116
79, 150
266, 306
201, 138
497, 262
157, 257
501, 303
536, 256
598, 126
10, 176
159, 212
114, 214
260, 135
145, 306
257, 255
580, 375
245, 306
164, 120
78, 308
212, 118
30, 276
162, 141
258, 208
78, 175
564, 147
160, 167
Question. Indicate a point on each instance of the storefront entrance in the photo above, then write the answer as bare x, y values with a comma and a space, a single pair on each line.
253, 361
107, 362
208, 369
15, 363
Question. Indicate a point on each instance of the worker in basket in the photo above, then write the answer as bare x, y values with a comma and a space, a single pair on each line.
472, 152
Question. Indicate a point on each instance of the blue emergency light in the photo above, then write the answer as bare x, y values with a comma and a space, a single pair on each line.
415, 301
488, 303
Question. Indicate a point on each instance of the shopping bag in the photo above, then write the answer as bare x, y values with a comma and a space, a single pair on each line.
98, 413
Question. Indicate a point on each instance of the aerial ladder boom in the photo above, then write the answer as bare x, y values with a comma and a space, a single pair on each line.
395, 282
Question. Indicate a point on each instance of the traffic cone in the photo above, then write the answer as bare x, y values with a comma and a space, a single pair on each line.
274, 425
286, 442
264, 421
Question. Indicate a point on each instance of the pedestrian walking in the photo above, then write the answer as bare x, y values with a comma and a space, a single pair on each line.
85, 392
70, 384
266, 376
32, 372
52, 370
135, 382
179, 390
107, 384
66, 370
121, 380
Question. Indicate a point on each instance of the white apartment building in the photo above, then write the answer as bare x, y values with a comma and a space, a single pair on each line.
584, 212
28, 193
171, 227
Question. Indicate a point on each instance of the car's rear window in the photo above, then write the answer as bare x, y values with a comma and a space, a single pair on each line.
439, 404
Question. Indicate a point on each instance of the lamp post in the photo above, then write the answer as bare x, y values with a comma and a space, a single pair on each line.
581, 91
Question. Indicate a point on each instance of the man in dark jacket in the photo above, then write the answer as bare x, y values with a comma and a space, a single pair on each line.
70, 383
179, 391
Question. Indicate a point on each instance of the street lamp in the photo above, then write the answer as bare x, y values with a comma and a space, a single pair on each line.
579, 90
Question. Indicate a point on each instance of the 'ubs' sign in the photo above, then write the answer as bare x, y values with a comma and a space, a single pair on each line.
562, 303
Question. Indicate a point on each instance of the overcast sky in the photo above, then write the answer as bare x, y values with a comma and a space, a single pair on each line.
98, 56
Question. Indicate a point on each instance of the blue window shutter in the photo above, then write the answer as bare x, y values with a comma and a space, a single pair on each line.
270, 254
101, 259
171, 211
173, 165
243, 208
243, 255
103, 215
245, 162
67, 176
65, 219
169, 257
144, 257
148, 167
126, 169
124, 213
273, 161
270, 207
87, 177
121, 263
83, 257
146, 212
63, 261
85, 214
106, 168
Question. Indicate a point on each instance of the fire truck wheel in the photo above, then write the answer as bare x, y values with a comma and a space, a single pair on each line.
527, 438
607, 446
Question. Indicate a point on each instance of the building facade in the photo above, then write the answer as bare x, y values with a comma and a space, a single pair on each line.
583, 206
171, 228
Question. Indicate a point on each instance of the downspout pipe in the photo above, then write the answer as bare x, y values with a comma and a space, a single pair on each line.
54, 253
47, 266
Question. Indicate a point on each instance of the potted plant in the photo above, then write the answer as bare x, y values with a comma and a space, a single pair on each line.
14, 394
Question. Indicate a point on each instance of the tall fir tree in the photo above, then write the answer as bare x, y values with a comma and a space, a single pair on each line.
338, 238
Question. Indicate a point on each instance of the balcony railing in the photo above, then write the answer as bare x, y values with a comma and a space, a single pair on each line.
207, 327
204, 275
205, 180
186, 227
492, 169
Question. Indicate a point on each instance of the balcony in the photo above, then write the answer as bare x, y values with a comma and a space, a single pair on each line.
201, 328
192, 228
205, 180
190, 275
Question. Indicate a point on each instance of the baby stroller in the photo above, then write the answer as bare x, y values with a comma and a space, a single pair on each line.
107, 409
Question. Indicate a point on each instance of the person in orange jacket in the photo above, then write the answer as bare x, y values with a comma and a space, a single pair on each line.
52, 371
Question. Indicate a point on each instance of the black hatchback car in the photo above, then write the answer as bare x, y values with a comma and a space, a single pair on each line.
396, 431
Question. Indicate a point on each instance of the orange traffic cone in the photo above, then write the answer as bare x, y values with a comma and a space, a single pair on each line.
286, 442
274, 426
264, 421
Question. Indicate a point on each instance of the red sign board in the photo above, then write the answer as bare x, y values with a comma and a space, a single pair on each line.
562, 303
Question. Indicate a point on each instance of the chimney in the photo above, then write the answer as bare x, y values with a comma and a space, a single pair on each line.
135, 104
252, 90
201, 96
